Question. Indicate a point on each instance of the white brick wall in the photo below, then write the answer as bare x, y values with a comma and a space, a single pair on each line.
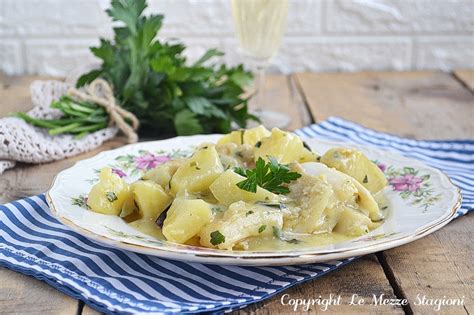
52, 36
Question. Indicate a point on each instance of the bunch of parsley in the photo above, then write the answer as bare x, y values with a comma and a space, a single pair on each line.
151, 78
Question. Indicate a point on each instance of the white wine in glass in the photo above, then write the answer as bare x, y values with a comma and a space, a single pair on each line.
260, 25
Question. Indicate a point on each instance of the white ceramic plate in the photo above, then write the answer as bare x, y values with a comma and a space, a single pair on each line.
421, 200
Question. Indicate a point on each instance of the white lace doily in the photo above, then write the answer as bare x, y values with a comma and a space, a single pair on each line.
21, 142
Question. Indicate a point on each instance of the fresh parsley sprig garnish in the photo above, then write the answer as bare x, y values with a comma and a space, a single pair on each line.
271, 176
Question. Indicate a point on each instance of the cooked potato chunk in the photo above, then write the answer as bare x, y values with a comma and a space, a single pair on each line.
249, 136
240, 221
285, 147
353, 223
162, 173
194, 241
185, 218
151, 198
347, 189
355, 164
197, 173
226, 191
128, 207
367, 202
109, 194
317, 203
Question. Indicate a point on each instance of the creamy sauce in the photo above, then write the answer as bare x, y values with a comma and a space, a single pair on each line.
270, 243
304, 242
287, 241
148, 227
293, 241
383, 203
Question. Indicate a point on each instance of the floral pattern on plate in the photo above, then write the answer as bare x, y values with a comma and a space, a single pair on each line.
411, 184
131, 165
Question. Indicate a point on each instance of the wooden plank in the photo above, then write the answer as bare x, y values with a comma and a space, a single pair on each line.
87, 310
466, 77
437, 266
364, 277
20, 294
425, 105
420, 105
15, 93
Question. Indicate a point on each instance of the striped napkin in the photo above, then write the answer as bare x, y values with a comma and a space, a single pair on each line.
110, 280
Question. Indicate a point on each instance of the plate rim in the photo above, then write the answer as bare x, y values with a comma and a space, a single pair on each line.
255, 258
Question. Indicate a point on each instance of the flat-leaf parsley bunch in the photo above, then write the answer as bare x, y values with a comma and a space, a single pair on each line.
152, 79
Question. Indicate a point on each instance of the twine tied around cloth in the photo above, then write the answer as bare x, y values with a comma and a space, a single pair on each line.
100, 92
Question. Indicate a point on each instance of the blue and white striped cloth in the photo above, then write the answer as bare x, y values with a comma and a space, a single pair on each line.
110, 280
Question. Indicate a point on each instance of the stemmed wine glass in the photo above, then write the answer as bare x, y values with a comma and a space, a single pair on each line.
260, 25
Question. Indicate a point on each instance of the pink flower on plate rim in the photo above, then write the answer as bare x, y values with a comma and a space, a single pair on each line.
407, 182
382, 166
119, 172
150, 160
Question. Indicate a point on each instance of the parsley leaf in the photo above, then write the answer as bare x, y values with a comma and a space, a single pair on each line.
277, 232
111, 196
217, 209
208, 55
262, 228
271, 176
186, 123
217, 238
202, 106
240, 171
153, 80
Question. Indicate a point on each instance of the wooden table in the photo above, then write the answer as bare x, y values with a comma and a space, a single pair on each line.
421, 105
